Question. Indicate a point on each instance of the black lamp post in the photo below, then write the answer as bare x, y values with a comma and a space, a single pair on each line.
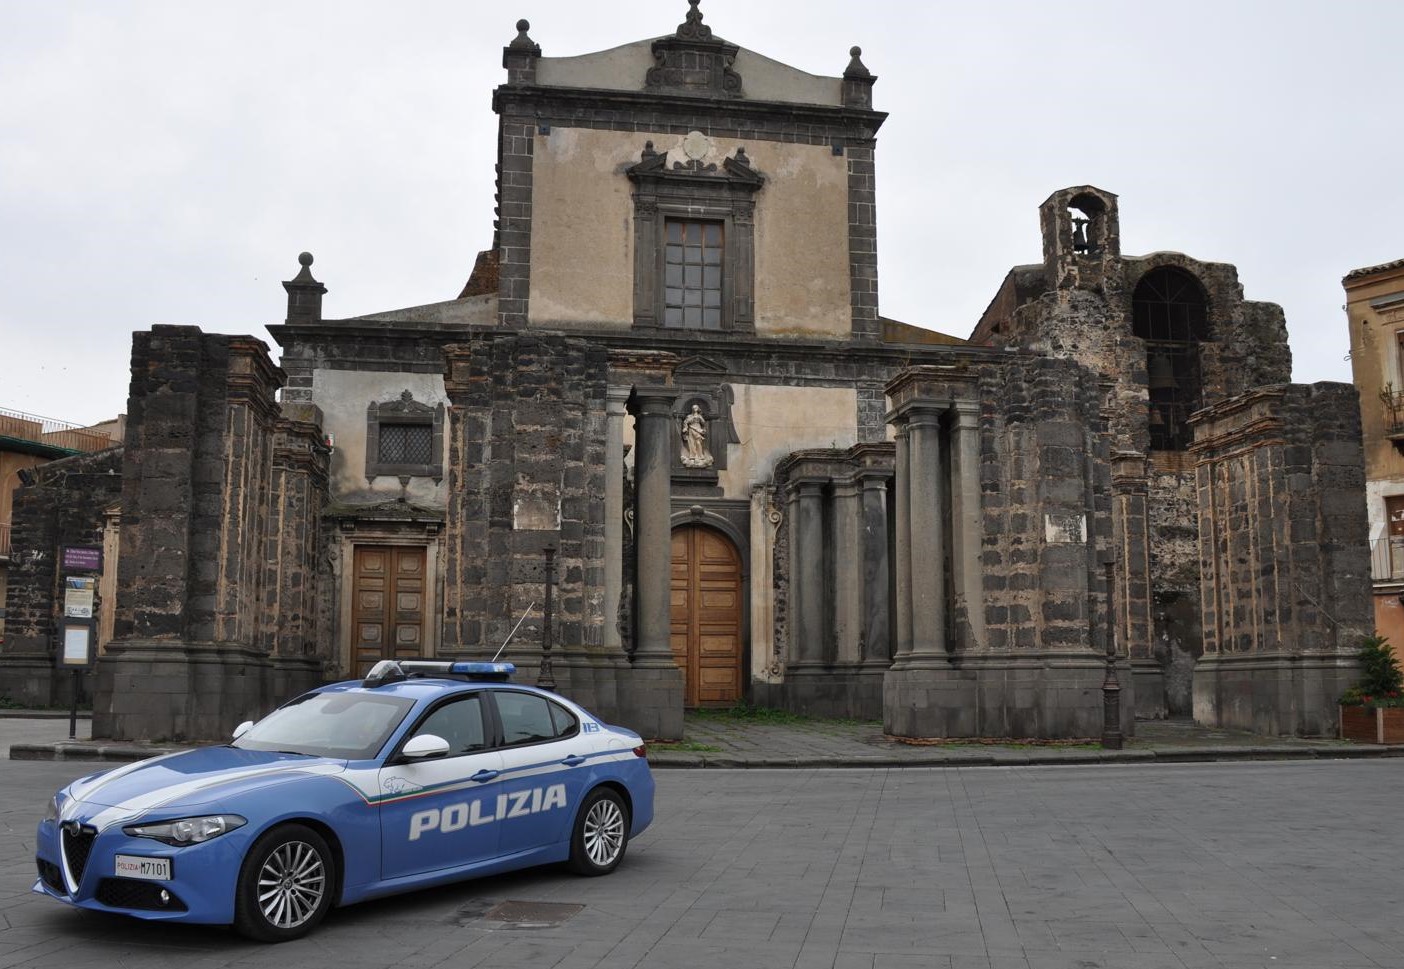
1111, 687
545, 679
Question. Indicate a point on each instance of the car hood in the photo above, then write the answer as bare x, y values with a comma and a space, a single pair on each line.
190, 777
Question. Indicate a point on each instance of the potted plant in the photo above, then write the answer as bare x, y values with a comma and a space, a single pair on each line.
1372, 711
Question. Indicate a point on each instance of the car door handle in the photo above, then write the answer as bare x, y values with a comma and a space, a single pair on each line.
574, 760
483, 776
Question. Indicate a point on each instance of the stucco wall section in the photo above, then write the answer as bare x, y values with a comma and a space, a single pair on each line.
343, 396
802, 284
773, 421
582, 233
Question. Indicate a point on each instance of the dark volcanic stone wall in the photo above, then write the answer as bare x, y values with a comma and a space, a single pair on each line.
1283, 555
66, 506
526, 455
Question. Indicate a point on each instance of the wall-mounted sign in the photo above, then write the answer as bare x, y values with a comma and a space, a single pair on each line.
77, 644
80, 558
78, 594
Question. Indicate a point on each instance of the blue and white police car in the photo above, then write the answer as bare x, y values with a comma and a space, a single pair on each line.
423, 773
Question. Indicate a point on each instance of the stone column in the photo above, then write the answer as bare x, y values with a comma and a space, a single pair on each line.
653, 701
903, 579
876, 617
808, 608
927, 538
967, 523
615, 411
848, 564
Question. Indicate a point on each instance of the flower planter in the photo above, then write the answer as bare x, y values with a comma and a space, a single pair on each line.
1373, 725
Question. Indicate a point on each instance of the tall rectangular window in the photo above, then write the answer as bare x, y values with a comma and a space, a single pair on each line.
692, 267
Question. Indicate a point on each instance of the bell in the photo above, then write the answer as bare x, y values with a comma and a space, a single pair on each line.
1161, 373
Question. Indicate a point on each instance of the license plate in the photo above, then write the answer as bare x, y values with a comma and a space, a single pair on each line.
152, 869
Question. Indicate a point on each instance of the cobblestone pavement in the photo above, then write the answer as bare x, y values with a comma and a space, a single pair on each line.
1232, 866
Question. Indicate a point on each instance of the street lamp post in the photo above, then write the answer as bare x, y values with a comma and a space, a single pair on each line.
545, 679
1111, 687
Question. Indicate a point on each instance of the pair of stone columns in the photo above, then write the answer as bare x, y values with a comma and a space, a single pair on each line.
928, 484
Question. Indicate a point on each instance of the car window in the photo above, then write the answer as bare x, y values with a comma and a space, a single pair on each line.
563, 719
460, 722
528, 718
353, 726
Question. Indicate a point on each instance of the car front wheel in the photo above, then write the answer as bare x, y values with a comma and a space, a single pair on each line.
601, 833
285, 885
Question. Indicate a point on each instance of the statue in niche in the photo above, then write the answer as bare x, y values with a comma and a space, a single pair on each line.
694, 440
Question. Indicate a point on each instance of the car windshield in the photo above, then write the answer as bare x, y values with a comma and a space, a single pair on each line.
352, 726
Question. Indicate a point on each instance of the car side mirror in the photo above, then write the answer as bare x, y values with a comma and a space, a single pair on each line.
424, 746
242, 729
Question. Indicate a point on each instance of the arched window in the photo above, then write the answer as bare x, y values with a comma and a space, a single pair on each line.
1170, 311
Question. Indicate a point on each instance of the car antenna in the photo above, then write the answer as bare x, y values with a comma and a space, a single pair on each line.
512, 633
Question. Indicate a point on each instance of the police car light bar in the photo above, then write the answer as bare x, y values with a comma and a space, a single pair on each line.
393, 671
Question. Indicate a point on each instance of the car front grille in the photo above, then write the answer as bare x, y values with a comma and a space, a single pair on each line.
77, 845
132, 893
49, 873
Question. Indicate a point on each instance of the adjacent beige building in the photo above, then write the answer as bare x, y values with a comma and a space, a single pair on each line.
1375, 311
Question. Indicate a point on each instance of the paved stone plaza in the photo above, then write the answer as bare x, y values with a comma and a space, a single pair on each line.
1124, 867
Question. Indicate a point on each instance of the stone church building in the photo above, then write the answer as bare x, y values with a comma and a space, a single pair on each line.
666, 404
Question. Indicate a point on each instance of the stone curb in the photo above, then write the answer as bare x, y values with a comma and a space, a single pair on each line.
79, 751
1166, 755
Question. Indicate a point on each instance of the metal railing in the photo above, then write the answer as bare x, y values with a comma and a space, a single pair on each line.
1393, 401
45, 430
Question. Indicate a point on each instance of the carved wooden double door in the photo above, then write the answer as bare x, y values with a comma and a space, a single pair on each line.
387, 611
706, 615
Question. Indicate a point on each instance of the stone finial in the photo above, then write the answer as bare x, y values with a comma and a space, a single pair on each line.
522, 41
858, 81
692, 27
304, 294
520, 56
855, 66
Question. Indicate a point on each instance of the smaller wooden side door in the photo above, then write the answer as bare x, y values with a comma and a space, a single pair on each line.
706, 615
387, 610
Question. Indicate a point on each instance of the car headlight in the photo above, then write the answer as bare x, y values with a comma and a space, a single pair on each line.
51, 812
187, 831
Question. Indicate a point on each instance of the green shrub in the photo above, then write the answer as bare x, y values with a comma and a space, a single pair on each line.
1381, 680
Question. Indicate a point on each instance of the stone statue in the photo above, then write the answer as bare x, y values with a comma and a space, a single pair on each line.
694, 440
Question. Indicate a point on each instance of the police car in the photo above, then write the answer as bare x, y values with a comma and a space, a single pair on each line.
423, 773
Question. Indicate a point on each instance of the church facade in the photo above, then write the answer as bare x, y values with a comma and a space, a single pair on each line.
664, 447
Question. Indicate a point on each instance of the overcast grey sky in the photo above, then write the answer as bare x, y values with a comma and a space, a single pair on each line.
165, 162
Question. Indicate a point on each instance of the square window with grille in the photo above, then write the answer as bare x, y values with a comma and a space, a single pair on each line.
403, 444
692, 275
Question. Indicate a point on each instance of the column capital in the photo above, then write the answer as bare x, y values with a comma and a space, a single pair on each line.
652, 401
967, 410
617, 400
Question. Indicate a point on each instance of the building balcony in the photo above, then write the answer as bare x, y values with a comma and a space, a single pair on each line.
1393, 406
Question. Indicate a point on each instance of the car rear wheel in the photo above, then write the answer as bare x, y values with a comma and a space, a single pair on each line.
601, 833
285, 884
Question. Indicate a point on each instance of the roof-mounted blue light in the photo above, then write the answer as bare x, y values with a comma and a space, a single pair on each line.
486, 671
392, 671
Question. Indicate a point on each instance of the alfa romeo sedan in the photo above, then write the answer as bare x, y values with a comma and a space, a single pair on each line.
423, 773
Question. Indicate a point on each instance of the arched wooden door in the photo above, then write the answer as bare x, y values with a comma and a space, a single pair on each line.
706, 610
